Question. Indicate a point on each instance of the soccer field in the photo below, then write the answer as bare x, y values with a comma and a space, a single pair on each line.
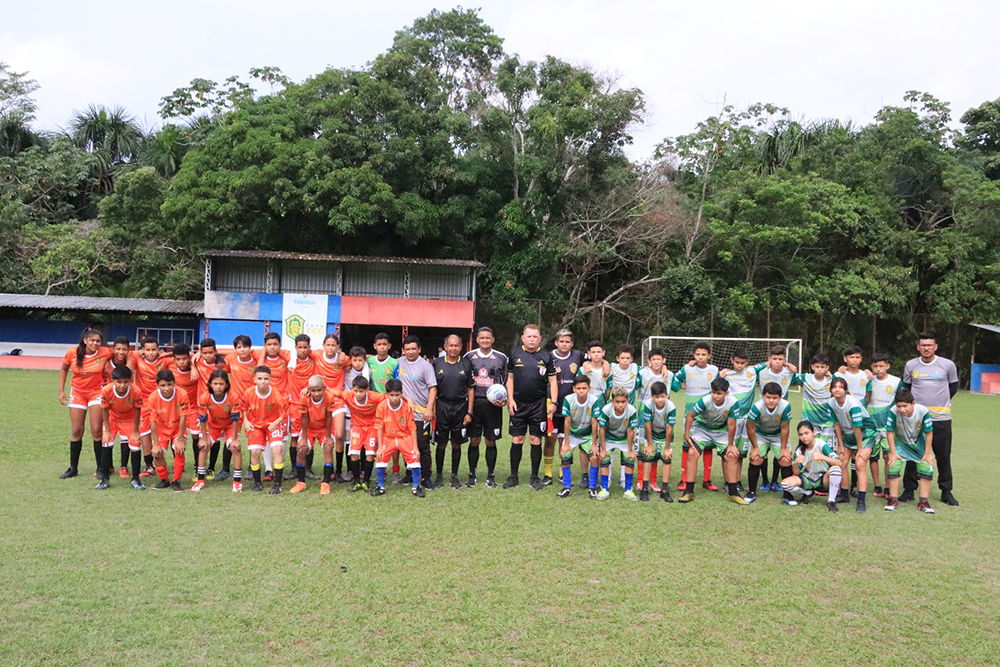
482, 576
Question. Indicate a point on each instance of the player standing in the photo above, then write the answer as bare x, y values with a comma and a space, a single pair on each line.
578, 415
208, 360
697, 380
597, 368
654, 371
489, 367
315, 417
455, 397
332, 364
87, 361
396, 430
219, 415
266, 414
855, 435
742, 386
120, 358
768, 424
361, 404
189, 381
121, 404
382, 366
567, 362
531, 379
617, 422
241, 363
168, 408
657, 417
711, 424
910, 433
881, 396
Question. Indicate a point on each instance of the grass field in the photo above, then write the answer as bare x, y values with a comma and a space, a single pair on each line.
481, 576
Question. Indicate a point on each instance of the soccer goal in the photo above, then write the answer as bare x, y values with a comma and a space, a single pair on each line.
678, 349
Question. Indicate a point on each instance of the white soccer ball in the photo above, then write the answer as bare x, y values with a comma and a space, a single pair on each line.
496, 394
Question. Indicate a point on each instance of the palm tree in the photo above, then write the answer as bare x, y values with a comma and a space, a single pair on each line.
107, 130
164, 150
788, 139
16, 135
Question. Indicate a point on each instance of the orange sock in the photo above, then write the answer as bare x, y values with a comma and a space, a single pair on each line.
638, 476
684, 464
162, 472
652, 472
708, 465
178, 467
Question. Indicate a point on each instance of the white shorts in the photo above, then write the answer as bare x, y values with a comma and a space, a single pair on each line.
575, 440
704, 439
619, 446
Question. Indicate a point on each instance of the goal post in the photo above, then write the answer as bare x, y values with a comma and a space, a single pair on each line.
678, 349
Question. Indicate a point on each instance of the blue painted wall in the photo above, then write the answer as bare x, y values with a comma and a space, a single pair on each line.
43, 331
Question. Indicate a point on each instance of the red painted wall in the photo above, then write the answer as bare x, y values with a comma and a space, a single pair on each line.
412, 312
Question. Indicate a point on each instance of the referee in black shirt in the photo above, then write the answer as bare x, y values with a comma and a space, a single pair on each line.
456, 392
489, 368
531, 379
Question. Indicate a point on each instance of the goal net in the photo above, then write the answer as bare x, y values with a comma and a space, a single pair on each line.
678, 349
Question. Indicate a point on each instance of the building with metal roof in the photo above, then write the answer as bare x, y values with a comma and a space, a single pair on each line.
87, 304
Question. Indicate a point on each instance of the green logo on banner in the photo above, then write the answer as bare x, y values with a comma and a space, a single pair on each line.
294, 326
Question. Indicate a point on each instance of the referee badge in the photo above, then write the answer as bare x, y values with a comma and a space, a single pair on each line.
541, 370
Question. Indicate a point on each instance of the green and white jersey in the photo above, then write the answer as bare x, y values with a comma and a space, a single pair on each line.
580, 414
883, 397
616, 425
767, 421
851, 414
911, 431
714, 417
697, 383
646, 379
742, 385
813, 468
657, 417
382, 371
784, 378
598, 383
857, 384
625, 377
816, 399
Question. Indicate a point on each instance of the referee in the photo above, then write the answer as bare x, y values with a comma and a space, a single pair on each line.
455, 397
531, 379
933, 381
489, 367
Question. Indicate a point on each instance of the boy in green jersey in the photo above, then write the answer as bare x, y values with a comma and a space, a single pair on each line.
696, 376
579, 412
617, 422
657, 417
767, 429
880, 396
910, 434
382, 366
711, 424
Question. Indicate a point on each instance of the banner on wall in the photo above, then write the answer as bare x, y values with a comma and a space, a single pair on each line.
303, 314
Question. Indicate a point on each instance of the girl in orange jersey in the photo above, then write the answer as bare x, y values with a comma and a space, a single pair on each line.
219, 416
87, 361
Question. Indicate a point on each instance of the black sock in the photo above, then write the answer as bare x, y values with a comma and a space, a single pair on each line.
753, 476
456, 458
75, 447
148, 460
786, 472
369, 466
536, 459
731, 487
98, 446
439, 453
300, 472
213, 454
473, 459
123, 448
354, 465
776, 473
340, 462
136, 462
256, 474
309, 458
293, 454
491, 459
516, 449
106, 462
763, 471
278, 472
227, 459
327, 472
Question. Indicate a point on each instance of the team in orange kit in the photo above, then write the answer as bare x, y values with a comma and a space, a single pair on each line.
396, 431
121, 404
87, 361
168, 409
266, 415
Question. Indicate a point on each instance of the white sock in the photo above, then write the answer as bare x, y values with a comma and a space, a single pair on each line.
835, 473
267, 459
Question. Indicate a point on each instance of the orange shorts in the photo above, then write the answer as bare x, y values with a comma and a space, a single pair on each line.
216, 434
193, 425
362, 439
144, 428
309, 438
82, 399
166, 441
295, 425
402, 445
121, 428
258, 438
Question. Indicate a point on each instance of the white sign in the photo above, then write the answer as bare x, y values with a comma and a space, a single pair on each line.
303, 314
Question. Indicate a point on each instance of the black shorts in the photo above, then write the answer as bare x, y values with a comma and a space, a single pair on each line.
487, 419
531, 418
449, 421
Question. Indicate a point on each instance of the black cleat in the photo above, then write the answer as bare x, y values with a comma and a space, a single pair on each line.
584, 482
564, 492
137, 485
472, 481
511, 482
275, 490
739, 488
164, 484
419, 492
456, 483
665, 496
832, 506
547, 481
438, 481
257, 487
644, 495
948, 499
70, 472
102, 484
843, 497
491, 482
311, 475
428, 484
176, 487
906, 497
377, 491
593, 494
223, 475
861, 506
751, 496
536, 483
407, 479
804, 500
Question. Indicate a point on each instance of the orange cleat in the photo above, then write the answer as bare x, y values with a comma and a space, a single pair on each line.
123, 472
708, 486
150, 470
324, 489
299, 486
198, 486
237, 487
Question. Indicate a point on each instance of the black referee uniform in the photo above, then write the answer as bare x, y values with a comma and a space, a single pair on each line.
530, 373
487, 370
454, 380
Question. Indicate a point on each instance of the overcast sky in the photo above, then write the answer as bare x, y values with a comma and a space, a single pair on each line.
820, 59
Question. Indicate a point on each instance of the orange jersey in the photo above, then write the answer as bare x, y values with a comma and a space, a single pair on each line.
279, 369
144, 373
298, 377
262, 411
241, 372
90, 376
218, 411
121, 408
110, 367
362, 415
189, 381
332, 370
206, 369
168, 413
314, 414
395, 423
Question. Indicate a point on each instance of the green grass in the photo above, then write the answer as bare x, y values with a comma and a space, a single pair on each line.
481, 576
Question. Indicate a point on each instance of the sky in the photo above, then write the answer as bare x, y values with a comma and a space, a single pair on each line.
820, 59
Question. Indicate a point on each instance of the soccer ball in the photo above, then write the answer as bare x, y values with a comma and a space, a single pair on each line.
496, 394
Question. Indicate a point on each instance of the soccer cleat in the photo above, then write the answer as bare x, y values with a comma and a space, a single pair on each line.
148, 472
194, 476
298, 488
511, 482
354, 488
862, 508
739, 488
377, 491
238, 487
138, 486
564, 492
593, 494
176, 487
947, 499
665, 496
687, 497
70, 472
427, 483
224, 475
806, 497
102, 484
878, 492
738, 500
456, 483
831, 506
775, 487
397, 478
536, 483
906, 497
491, 482
654, 487
257, 487
843, 497
584, 483
407, 479
345, 477
547, 481
708, 486
891, 505
644, 495
209, 474
765, 487
198, 486
472, 480
268, 476
854, 492
439, 481
418, 492
751, 496
603, 494
791, 502
276, 489
310, 475
324, 489
123, 472
925, 508
164, 484
630, 495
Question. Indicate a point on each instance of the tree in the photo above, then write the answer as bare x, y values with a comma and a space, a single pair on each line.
15, 94
982, 135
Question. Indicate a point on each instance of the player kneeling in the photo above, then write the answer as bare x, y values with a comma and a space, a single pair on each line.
819, 467
658, 416
219, 415
579, 412
316, 409
910, 434
396, 431
617, 422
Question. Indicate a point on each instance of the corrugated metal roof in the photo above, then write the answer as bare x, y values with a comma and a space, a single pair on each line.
988, 327
101, 303
360, 259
